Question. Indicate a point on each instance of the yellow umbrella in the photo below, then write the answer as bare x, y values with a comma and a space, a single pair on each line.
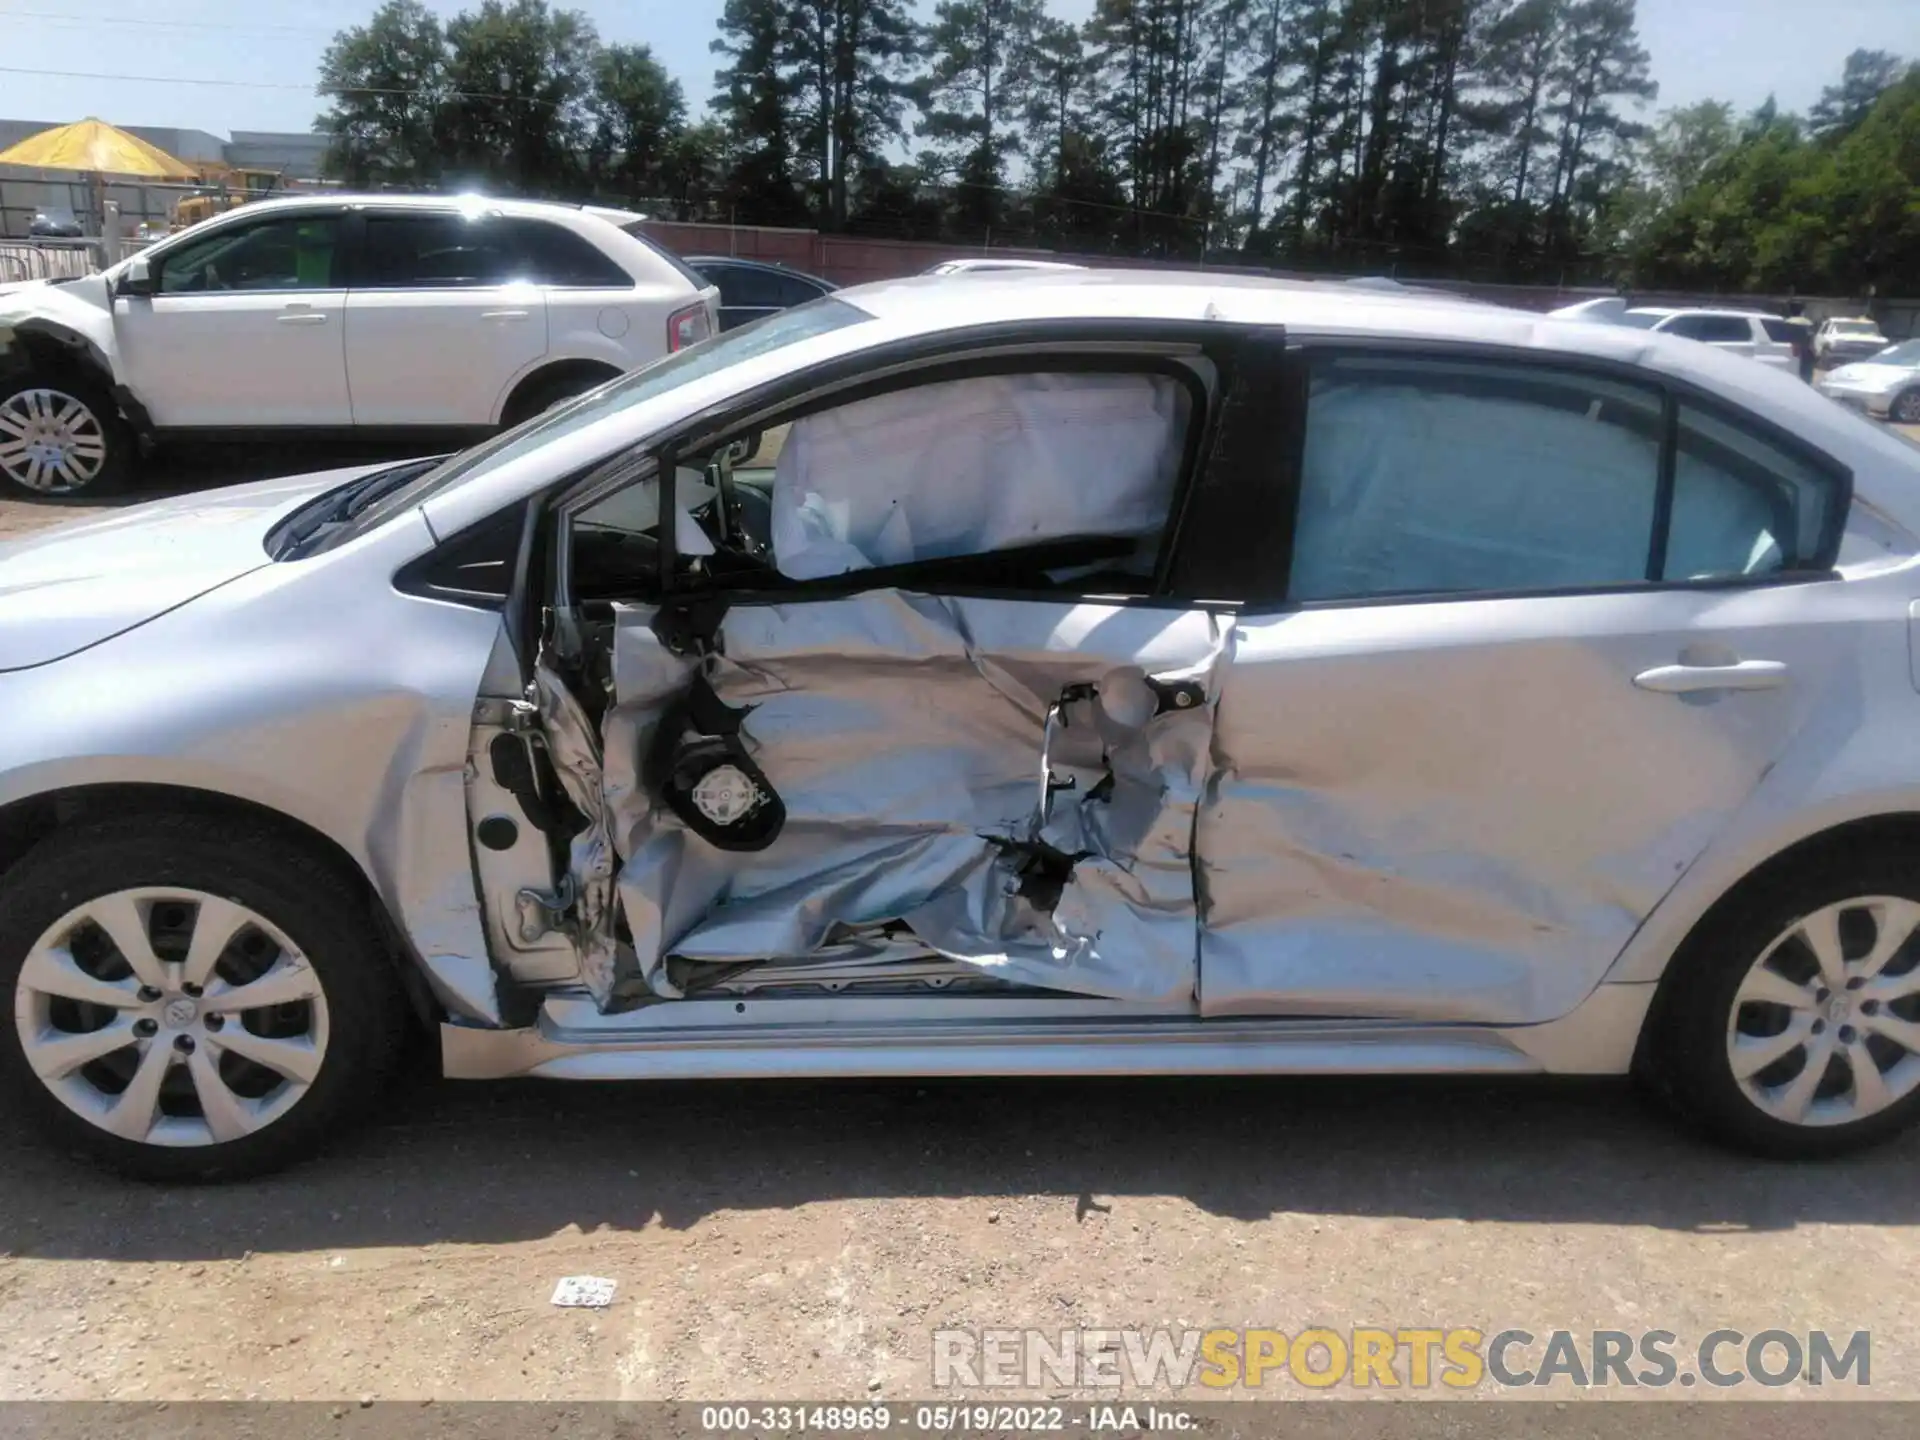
96, 148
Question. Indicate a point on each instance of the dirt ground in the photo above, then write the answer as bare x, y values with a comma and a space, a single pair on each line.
804, 1240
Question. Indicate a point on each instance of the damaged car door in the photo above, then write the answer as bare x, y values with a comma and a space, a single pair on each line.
1544, 630
882, 689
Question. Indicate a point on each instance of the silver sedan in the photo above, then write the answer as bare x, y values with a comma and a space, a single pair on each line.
1061, 674
1886, 385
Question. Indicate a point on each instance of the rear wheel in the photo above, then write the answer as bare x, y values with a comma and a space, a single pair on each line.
61, 436
543, 395
1790, 1025
192, 1003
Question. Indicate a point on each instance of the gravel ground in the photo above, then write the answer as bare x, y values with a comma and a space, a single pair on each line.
804, 1240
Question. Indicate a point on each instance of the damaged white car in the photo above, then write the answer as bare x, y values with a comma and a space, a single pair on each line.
1062, 674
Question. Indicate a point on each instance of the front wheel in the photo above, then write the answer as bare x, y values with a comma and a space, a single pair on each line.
1905, 409
1790, 1023
61, 437
192, 1001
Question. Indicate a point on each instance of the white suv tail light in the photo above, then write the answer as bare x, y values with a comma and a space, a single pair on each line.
688, 326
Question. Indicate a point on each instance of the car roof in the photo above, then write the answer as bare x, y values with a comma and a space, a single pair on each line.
327, 200
996, 305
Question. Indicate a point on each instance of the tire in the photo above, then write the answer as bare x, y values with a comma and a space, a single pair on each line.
1707, 1007
1905, 409
335, 1017
542, 395
61, 437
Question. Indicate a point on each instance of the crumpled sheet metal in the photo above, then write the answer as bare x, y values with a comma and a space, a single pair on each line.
1405, 832
903, 733
574, 747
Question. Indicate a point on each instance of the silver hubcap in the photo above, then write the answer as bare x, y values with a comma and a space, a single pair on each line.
1907, 408
171, 1017
1825, 1028
50, 441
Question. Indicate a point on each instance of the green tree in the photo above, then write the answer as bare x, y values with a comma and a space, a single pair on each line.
849, 60
754, 103
387, 80
1601, 61
1841, 108
522, 82
639, 116
982, 67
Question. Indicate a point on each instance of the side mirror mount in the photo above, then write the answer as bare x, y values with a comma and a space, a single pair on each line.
136, 279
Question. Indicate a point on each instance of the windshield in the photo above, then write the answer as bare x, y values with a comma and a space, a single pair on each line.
1855, 327
1907, 352
1643, 319
761, 337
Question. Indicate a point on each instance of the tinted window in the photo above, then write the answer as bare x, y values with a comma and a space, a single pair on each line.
1742, 505
1711, 328
452, 251
1782, 332
554, 255
1437, 476
435, 251
1640, 320
794, 290
744, 285
285, 253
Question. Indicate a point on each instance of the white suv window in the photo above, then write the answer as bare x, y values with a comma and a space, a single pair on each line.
1712, 329
285, 252
439, 250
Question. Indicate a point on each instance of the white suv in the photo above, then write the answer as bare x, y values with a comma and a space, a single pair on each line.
343, 316
1839, 340
1766, 338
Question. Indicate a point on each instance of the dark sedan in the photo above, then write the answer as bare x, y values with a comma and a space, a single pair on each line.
752, 288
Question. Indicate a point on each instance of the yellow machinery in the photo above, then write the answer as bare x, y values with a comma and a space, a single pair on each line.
228, 188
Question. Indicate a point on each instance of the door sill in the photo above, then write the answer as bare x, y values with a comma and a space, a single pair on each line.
813, 1039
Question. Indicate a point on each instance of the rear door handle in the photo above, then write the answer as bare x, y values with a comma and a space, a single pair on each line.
505, 314
302, 317
1689, 679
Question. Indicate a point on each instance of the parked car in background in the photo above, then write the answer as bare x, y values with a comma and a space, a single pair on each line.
1022, 717
983, 263
1839, 340
403, 316
1767, 338
54, 223
752, 288
1886, 386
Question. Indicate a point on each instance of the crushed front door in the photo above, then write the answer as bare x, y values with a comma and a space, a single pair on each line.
899, 739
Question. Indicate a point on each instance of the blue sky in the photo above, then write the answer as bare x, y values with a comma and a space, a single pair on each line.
255, 59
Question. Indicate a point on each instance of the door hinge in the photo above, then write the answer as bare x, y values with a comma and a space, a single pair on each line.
544, 911
518, 716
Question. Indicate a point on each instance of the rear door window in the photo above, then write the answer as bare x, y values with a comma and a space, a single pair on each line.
1428, 476
745, 286
1712, 329
1439, 477
435, 251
